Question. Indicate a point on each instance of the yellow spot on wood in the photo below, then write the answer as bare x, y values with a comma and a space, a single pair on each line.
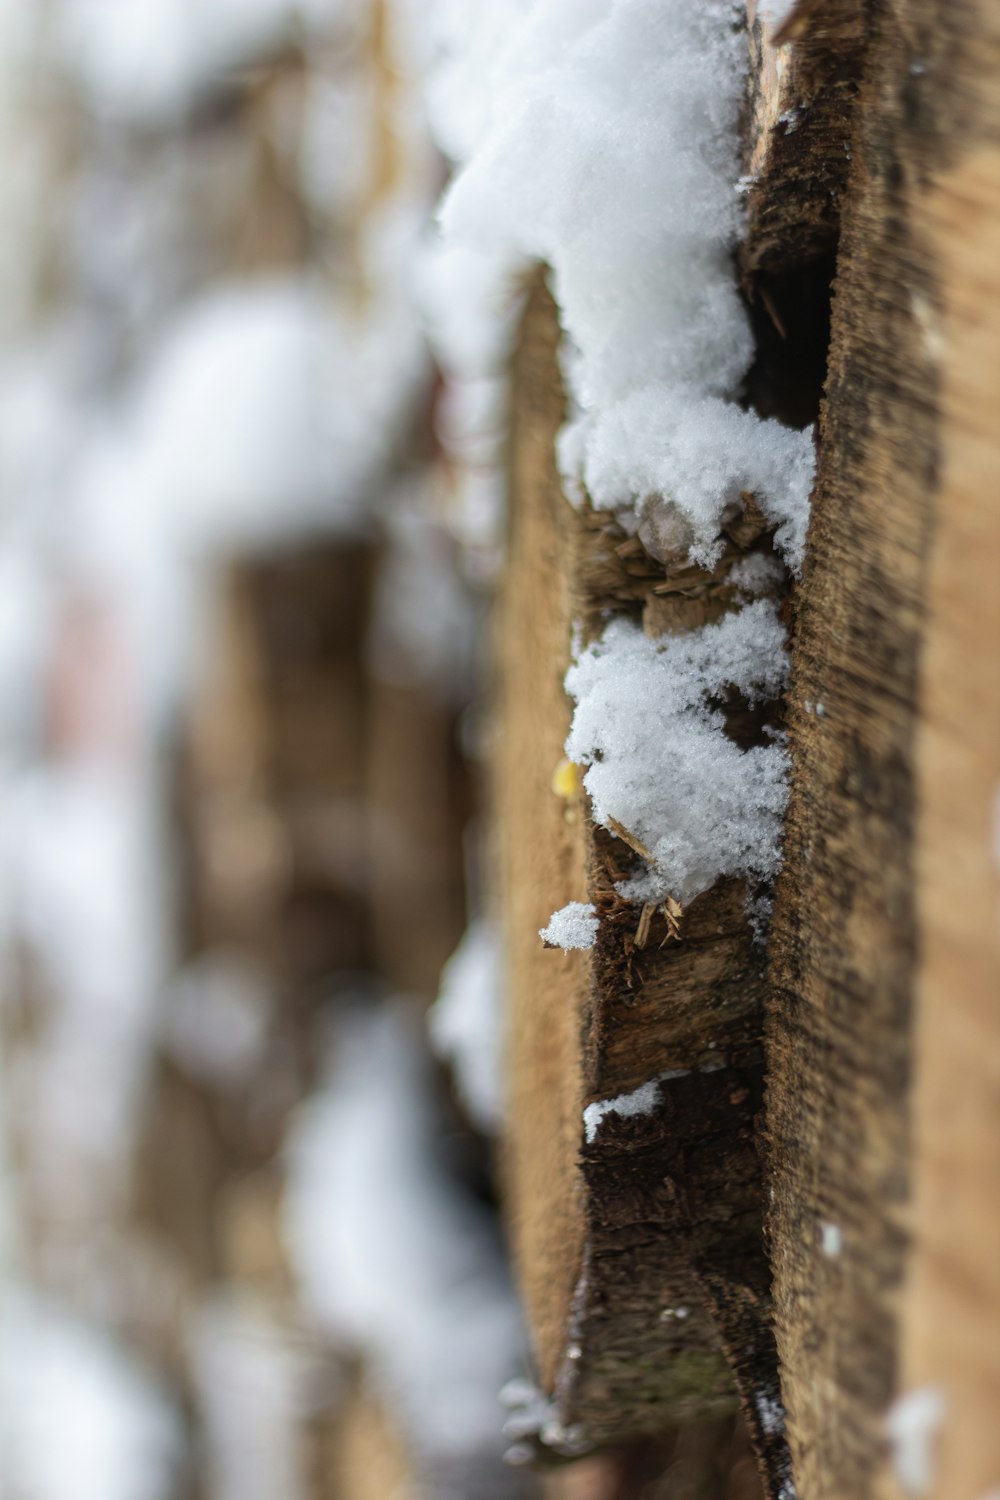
567, 780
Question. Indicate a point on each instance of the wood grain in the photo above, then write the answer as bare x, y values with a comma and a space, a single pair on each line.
883, 1032
639, 1252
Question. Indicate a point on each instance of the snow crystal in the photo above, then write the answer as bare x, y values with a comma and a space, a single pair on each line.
912, 1424
660, 765
572, 926
602, 140
532, 1414
700, 453
466, 1023
757, 573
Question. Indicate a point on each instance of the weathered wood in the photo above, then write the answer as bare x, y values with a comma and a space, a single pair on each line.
883, 1094
640, 1250
950, 1311
710, 1461
803, 82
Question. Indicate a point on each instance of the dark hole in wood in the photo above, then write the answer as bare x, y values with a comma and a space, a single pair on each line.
790, 314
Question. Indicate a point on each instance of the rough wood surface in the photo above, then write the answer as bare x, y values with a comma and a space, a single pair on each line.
883, 1035
950, 1310
711, 1461
639, 1251
803, 83
543, 860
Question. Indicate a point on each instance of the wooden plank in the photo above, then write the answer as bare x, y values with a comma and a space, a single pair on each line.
273, 770
885, 1193
363, 1456
950, 1309
639, 1251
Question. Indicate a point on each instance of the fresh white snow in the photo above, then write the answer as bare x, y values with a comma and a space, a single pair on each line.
648, 727
573, 926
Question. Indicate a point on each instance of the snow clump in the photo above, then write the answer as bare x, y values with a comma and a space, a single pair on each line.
650, 730
603, 141
572, 926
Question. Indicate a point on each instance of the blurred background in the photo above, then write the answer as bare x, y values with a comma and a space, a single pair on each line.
250, 990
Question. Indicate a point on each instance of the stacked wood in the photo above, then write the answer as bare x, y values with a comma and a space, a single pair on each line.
318, 804
640, 1249
870, 132
883, 1092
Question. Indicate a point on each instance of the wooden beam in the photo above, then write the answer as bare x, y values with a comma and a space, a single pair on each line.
639, 1249
803, 83
883, 1095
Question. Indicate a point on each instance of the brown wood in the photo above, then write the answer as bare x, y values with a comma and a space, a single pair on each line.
951, 1305
639, 1252
883, 1035
418, 802
543, 858
802, 87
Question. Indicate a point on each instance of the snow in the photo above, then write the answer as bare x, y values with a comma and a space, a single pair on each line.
638, 1102
912, 1424
391, 1258
79, 1419
86, 894
148, 61
255, 1386
702, 453
268, 412
467, 1023
572, 926
831, 1239
602, 140
659, 761
757, 573
533, 1415
216, 1013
